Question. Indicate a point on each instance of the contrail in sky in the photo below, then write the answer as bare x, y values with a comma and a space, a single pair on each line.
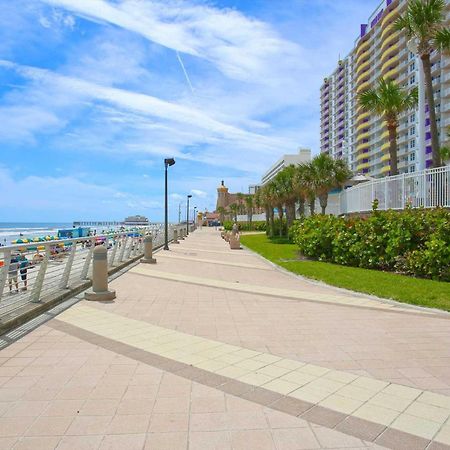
185, 72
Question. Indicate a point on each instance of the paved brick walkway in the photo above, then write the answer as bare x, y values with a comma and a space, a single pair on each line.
213, 348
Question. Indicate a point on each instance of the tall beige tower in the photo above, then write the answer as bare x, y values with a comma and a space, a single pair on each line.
222, 196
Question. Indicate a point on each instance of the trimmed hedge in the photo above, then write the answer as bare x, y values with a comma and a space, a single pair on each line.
245, 226
414, 241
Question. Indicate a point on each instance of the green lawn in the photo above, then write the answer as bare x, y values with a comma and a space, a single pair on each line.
416, 291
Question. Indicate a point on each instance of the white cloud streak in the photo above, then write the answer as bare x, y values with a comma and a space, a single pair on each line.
240, 47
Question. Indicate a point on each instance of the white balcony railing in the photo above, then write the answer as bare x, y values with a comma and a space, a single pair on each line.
58, 266
428, 189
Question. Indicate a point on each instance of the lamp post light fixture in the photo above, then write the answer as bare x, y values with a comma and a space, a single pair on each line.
167, 163
187, 214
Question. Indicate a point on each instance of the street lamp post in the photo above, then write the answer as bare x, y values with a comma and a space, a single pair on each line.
195, 217
187, 214
167, 162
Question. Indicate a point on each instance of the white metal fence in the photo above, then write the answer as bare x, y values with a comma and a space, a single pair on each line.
428, 188
53, 267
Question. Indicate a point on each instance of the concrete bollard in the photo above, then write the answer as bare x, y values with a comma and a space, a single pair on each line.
100, 290
175, 236
148, 250
181, 234
235, 242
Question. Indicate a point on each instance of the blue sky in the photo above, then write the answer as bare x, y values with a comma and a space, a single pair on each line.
95, 93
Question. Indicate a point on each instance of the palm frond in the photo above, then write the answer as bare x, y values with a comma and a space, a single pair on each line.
442, 39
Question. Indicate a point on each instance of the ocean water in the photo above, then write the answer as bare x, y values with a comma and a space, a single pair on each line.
9, 231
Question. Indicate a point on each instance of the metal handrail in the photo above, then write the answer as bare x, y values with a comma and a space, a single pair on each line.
49, 273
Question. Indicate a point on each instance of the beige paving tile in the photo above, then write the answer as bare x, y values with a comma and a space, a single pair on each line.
281, 386
416, 425
369, 384
309, 395
341, 404
402, 391
434, 413
273, 370
435, 399
232, 372
250, 364
377, 414
355, 393
312, 369
390, 401
289, 364
257, 379
326, 385
443, 435
341, 377
298, 378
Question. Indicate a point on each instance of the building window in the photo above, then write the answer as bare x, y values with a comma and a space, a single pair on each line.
412, 169
412, 143
412, 67
412, 118
412, 131
412, 157
412, 80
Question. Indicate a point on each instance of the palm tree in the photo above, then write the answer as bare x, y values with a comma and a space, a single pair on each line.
265, 196
286, 191
309, 180
389, 101
249, 206
240, 201
329, 174
270, 195
300, 187
277, 191
234, 209
221, 211
424, 21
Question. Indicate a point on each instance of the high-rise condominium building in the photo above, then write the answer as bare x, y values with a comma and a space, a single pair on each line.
362, 137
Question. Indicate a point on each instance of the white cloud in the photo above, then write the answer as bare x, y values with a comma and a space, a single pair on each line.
240, 47
147, 106
176, 196
198, 193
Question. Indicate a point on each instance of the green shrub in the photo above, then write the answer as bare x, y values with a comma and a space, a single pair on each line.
414, 241
245, 226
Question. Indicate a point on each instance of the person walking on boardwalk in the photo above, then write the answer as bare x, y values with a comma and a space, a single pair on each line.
12, 274
24, 264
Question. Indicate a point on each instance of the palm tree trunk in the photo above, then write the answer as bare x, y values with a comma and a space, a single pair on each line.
280, 216
312, 206
392, 128
323, 200
272, 223
430, 99
290, 214
301, 207
267, 220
